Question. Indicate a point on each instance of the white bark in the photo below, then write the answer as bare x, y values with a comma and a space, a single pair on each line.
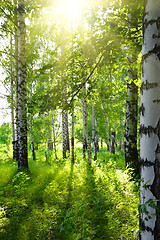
84, 112
54, 138
86, 138
22, 93
12, 104
72, 136
31, 137
150, 122
16, 79
107, 126
94, 132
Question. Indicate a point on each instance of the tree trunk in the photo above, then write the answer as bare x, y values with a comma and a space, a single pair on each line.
113, 143
49, 136
67, 132
16, 79
150, 124
22, 93
97, 140
12, 105
94, 132
130, 144
72, 136
86, 138
31, 137
84, 112
101, 142
121, 137
107, 126
54, 138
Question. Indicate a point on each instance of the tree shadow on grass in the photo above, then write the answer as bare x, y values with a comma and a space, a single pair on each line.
19, 207
97, 207
65, 224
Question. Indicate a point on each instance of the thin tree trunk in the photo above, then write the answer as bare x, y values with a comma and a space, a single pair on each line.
31, 137
113, 143
130, 144
22, 93
94, 132
54, 138
101, 142
31, 129
72, 136
121, 138
150, 124
86, 138
12, 105
63, 134
16, 79
97, 140
67, 132
84, 105
49, 136
107, 126
64, 125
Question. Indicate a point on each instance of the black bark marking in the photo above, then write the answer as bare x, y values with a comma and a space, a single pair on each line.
151, 22
146, 86
146, 163
145, 228
150, 130
155, 50
156, 36
156, 100
155, 189
142, 110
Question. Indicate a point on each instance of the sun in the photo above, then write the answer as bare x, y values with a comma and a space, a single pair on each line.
71, 9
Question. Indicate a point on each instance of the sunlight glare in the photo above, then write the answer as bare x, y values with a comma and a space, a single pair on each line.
71, 8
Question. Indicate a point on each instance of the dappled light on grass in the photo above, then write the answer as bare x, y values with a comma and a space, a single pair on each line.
59, 200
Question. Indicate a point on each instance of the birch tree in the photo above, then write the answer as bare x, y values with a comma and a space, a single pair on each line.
150, 124
94, 132
22, 94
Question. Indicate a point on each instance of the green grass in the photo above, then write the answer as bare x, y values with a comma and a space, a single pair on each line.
57, 200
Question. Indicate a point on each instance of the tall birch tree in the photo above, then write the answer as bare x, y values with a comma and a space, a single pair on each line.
22, 84
150, 124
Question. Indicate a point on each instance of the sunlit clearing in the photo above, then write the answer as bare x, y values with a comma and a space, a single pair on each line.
71, 9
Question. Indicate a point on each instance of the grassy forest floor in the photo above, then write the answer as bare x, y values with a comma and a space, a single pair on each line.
60, 201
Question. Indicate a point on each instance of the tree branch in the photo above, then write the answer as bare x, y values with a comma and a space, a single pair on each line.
8, 16
83, 83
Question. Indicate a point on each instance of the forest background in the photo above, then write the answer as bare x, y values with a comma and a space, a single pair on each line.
70, 156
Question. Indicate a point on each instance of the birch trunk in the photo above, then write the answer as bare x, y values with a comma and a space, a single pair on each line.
130, 144
84, 112
54, 138
31, 138
107, 126
22, 93
121, 137
113, 143
150, 124
94, 132
72, 136
63, 135
97, 139
49, 136
86, 138
16, 80
12, 105
65, 130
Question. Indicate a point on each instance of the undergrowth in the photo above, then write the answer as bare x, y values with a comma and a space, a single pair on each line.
59, 200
